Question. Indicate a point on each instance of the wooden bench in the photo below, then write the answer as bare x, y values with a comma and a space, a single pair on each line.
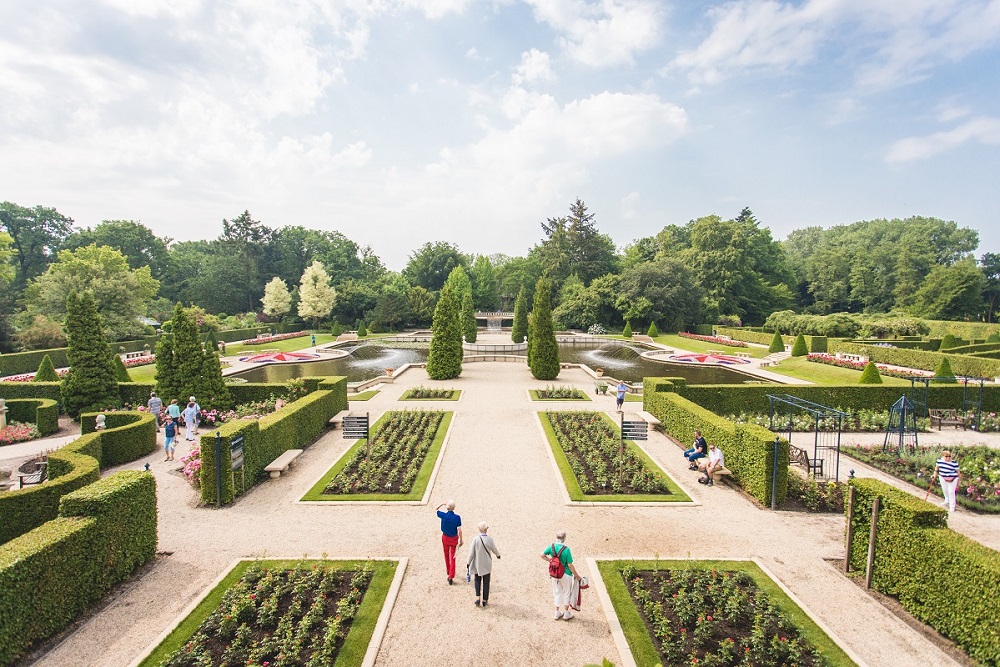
282, 463
649, 419
942, 418
338, 419
32, 472
717, 475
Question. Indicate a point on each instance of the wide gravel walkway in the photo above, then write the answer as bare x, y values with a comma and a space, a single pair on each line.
497, 469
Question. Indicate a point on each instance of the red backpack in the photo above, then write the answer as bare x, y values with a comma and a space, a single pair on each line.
556, 567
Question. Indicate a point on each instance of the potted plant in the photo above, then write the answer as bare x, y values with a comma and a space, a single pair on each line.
599, 372
390, 371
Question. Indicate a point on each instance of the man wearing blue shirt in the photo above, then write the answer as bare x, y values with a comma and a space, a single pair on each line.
451, 536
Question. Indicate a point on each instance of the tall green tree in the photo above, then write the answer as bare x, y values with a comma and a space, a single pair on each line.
392, 307
519, 330
469, 328
485, 288
573, 244
444, 361
543, 353
951, 292
316, 295
421, 305
989, 263
140, 246
277, 301
191, 370
91, 383
665, 290
432, 263
37, 233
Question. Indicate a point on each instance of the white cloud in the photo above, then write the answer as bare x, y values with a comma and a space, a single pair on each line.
603, 33
535, 67
983, 130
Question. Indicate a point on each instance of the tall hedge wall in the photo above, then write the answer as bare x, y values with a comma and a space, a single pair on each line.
130, 435
17, 363
748, 449
43, 412
941, 577
928, 361
53, 573
295, 426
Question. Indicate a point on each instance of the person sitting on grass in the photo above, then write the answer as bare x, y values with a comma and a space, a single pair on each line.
715, 461
698, 450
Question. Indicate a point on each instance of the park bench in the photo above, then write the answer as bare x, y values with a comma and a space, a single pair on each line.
135, 355
338, 419
942, 418
282, 463
649, 419
801, 456
32, 472
717, 475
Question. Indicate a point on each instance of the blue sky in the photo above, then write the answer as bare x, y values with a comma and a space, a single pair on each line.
398, 122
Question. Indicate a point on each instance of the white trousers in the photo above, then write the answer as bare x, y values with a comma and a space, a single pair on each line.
949, 488
561, 589
189, 431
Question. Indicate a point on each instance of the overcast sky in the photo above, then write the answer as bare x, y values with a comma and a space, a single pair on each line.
399, 122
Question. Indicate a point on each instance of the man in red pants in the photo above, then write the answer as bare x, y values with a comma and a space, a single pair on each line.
451, 536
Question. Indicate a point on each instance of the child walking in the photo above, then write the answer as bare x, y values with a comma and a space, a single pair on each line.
169, 442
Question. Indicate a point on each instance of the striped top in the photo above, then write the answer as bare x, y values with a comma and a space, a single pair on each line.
947, 469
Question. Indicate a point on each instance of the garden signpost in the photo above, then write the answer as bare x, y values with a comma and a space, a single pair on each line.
630, 430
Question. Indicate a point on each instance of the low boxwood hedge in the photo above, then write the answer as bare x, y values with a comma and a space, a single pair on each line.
814, 343
128, 436
12, 390
941, 577
51, 574
962, 364
43, 412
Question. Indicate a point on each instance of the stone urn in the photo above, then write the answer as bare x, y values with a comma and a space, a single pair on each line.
5, 481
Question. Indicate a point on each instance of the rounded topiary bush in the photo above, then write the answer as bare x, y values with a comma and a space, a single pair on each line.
653, 332
948, 342
870, 375
627, 331
777, 343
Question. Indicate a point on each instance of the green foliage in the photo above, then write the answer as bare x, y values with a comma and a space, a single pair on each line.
444, 361
993, 337
46, 371
519, 330
51, 390
42, 412
944, 369
184, 368
362, 331
121, 373
543, 352
336, 329
469, 328
928, 361
870, 375
627, 331
777, 343
26, 362
939, 576
799, 349
211, 342
91, 383
948, 342
652, 332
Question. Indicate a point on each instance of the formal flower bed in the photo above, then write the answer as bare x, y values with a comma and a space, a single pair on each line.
809, 495
140, 361
598, 458
18, 432
979, 466
713, 617
830, 360
264, 340
560, 393
862, 421
28, 377
430, 393
391, 461
713, 339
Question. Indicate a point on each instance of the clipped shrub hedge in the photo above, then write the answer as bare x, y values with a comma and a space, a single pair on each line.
295, 426
43, 412
928, 361
53, 573
941, 577
136, 393
748, 449
971, 349
17, 363
11, 390
128, 436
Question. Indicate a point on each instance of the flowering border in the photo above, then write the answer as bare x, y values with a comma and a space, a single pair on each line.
713, 339
830, 360
264, 340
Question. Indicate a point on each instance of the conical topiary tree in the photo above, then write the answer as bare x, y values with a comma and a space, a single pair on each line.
519, 330
121, 373
800, 349
91, 383
469, 328
211, 342
777, 343
653, 332
543, 351
444, 361
948, 342
166, 378
627, 331
943, 370
192, 371
213, 390
46, 371
870, 375
362, 331
336, 329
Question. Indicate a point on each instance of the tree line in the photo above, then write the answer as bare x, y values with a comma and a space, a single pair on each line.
708, 270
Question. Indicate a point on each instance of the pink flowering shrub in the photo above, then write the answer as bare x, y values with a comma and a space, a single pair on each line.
28, 377
263, 340
18, 432
830, 360
713, 339
192, 466
140, 361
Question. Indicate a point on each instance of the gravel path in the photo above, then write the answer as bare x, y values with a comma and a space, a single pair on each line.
495, 466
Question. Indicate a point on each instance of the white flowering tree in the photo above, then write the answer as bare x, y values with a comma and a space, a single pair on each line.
277, 300
316, 295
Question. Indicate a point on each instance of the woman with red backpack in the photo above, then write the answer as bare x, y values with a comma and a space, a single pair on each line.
562, 572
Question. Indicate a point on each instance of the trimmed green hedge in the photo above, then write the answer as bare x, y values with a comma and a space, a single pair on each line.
43, 412
941, 577
927, 345
136, 393
17, 363
928, 361
748, 449
755, 335
980, 347
50, 390
295, 426
77, 464
53, 573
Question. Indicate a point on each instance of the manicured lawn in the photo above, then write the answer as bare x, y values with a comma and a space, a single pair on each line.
673, 340
287, 345
798, 367
145, 373
363, 396
640, 639
351, 652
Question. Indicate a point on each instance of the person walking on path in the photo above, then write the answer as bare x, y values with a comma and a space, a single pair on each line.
155, 406
562, 572
451, 536
481, 563
620, 392
190, 416
169, 435
174, 410
947, 471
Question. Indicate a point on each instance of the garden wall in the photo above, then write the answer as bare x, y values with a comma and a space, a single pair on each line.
941, 577
929, 361
76, 465
748, 449
43, 412
53, 573
295, 426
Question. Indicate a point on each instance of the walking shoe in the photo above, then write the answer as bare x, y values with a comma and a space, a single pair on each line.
449, 581
692, 467
485, 602
477, 602
558, 615
710, 482
567, 615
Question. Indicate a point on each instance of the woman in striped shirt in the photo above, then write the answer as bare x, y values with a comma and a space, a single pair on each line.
947, 471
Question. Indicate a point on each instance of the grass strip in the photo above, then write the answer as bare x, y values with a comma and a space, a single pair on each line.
363, 396
825, 374
641, 643
455, 395
315, 494
358, 637
582, 396
576, 494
